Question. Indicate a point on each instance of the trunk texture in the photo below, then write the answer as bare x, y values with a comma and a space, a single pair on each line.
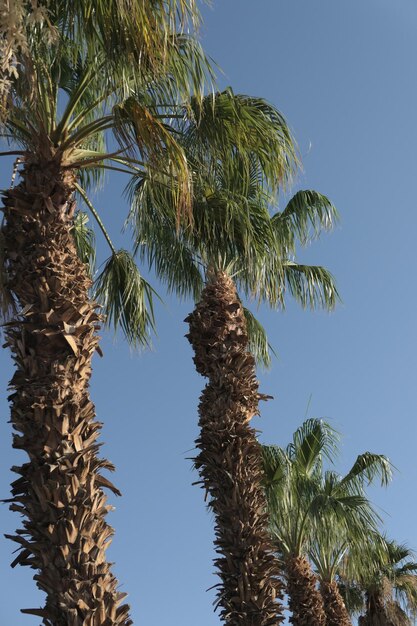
229, 461
52, 339
382, 611
304, 598
334, 607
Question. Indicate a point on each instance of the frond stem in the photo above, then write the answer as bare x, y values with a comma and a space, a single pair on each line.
89, 130
74, 100
96, 217
13, 153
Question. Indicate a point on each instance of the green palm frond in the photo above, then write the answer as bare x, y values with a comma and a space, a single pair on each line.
385, 571
313, 440
353, 597
276, 464
143, 135
306, 215
311, 286
138, 31
368, 467
317, 511
226, 124
126, 297
258, 340
157, 240
85, 240
188, 70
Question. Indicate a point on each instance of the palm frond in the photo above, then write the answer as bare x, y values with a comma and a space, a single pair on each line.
311, 286
141, 33
306, 215
368, 467
85, 240
166, 249
127, 298
353, 597
226, 124
259, 345
313, 440
276, 464
138, 129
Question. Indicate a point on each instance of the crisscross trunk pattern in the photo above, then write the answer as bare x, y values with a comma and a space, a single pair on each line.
53, 337
229, 459
334, 607
304, 598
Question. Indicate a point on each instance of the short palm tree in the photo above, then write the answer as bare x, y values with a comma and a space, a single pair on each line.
337, 533
71, 73
235, 243
328, 548
379, 581
303, 500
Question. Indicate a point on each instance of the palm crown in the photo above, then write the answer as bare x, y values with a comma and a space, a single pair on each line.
302, 497
378, 579
77, 73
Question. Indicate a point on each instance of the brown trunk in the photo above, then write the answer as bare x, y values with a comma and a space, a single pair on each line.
304, 598
334, 607
229, 461
382, 612
52, 340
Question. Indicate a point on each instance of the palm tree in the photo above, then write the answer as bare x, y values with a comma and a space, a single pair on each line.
327, 550
77, 71
234, 242
379, 580
336, 532
303, 501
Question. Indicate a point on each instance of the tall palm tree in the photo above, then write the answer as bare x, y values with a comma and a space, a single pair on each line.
303, 500
234, 242
76, 72
379, 580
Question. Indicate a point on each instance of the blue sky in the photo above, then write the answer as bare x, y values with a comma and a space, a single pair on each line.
345, 76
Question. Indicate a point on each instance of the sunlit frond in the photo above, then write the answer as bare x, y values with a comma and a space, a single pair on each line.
311, 510
306, 215
227, 124
126, 297
140, 131
311, 286
313, 440
142, 33
367, 468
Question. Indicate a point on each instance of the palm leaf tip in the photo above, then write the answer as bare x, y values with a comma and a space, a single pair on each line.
127, 298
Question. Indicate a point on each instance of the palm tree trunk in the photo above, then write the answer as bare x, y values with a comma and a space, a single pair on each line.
334, 607
377, 609
229, 461
52, 339
304, 598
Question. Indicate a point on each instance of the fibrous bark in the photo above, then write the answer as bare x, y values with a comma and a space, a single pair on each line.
383, 611
229, 461
304, 598
52, 339
334, 607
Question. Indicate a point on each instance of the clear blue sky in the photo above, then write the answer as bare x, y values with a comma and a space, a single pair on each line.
345, 75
